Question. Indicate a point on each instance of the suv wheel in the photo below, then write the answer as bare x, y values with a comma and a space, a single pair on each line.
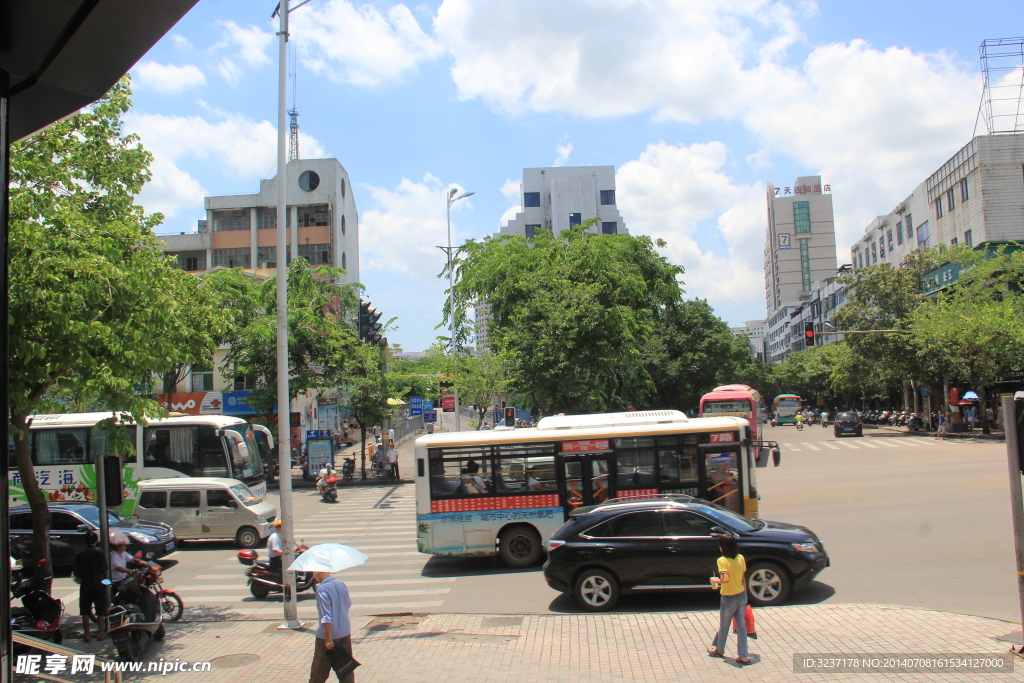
767, 585
596, 590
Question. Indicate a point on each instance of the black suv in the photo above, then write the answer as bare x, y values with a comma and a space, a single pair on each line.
70, 521
665, 543
848, 423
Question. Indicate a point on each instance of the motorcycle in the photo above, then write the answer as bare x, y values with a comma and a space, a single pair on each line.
263, 581
135, 615
915, 423
39, 616
348, 469
329, 492
170, 602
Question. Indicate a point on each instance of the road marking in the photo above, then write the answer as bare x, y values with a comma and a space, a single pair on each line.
811, 446
885, 442
923, 441
910, 443
866, 444
826, 444
848, 444
388, 594
791, 447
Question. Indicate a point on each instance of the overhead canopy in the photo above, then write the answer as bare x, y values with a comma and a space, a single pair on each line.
65, 54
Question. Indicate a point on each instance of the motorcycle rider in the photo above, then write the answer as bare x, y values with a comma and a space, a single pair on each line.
799, 421
322, 475
275, 547
824, 418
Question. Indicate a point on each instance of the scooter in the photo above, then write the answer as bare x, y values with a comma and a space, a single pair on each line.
170, 601
348, 469
39, 616
329, 492
135, 616
263, 581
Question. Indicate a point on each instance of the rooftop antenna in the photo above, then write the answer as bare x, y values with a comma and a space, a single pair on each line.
1002, 97
293, 113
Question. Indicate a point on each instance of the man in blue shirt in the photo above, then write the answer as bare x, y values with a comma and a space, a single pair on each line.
334, 630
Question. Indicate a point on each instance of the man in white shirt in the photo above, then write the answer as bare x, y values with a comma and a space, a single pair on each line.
120, 561
391, 435
275, 547
392, 460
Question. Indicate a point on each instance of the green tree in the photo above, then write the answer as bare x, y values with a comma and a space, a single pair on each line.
96, 307
479, 379
571, 314
975, 328
322, 341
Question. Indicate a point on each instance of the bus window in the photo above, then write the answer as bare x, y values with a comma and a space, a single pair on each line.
635, 469
104, 442
524, 475
678, 465
195, 451
245, 455
723, 480
60, 447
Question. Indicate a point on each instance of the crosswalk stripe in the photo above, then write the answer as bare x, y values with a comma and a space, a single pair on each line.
887, 443
791, 447
866, 444
848, 444
811, 446
910, 443
826, 444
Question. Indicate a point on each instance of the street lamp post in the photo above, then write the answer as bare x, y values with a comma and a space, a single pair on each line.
451, 198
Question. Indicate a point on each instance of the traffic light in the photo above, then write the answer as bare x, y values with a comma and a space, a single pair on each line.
510, 416
369, 327
808, 335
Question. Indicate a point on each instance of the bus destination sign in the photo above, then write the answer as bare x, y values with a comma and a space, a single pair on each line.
722, 437
586, 446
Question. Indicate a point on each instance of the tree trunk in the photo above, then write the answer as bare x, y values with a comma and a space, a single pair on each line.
908, 387
917, 396
37, 501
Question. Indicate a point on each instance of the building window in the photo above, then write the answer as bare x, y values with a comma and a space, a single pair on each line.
575, 219
531, 231
266, 218
609, 228
889, 235
342, 224
531, 199
899, 233
964, 194
236, 219
316, 254
881, 247
231, 258
608, 197
805, 264
910, 228
313, 216
202, 380
344, 260
968, 239
949, 200
266, 257
190, 260
860, 260
242, 383
938, 207
802, 216
953, 242
923, 233
874, 252
342, 188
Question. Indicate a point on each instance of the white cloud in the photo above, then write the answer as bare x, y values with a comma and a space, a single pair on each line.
361, 45
247, 43
181, 42
403, 233
231, 144
168, 78
563, 154
670, 189
509, 214
680, 60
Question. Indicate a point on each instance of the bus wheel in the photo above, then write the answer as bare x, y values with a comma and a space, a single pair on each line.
596, 590
519, 547
247, 537
767, 584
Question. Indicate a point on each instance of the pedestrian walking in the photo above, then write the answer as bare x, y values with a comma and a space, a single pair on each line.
943, 426
334, 630
392, 461
990, 416
90, 571
376, 431
731, 579
391, 435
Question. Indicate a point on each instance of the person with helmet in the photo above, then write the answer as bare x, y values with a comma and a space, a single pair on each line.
275, 547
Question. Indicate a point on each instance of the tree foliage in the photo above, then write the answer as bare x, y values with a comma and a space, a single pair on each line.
96, 307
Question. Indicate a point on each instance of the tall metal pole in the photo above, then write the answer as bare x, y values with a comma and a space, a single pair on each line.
5, 399
451, 304
1012, 419
291, 610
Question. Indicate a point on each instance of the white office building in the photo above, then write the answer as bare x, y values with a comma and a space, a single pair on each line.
755, 331
559, 197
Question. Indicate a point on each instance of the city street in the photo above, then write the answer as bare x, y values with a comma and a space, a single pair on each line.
908, 520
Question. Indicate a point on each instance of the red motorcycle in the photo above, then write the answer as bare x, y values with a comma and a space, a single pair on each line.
263, 580
170, 602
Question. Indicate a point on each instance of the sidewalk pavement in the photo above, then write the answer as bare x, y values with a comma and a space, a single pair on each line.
996, 435
578, 648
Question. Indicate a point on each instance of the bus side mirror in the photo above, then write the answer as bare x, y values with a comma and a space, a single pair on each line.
776, 456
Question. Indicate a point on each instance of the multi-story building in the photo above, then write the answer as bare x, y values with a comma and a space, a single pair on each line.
241, 230
559, 197
483, 320
755, 331
975, 198
800, 250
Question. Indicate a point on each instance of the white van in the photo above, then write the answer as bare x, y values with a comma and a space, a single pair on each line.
206, 508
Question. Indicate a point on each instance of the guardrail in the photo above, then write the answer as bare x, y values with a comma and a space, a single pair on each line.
48, 646
406, 428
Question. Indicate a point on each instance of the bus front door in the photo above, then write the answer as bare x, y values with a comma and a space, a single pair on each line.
585, 480
721, 480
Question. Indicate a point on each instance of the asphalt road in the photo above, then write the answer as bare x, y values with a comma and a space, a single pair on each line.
907, 520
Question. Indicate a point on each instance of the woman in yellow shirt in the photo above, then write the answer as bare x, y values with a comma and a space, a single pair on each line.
732, 569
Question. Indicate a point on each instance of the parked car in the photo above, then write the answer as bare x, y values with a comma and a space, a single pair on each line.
848, 423
70, 521
665, 543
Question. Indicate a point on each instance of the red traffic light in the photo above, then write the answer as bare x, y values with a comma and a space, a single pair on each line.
808, 334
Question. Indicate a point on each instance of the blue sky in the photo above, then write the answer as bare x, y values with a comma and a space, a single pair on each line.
697, 106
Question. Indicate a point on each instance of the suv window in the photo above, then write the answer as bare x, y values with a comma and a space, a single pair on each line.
630, 525
847, 416
21, 520
153, 499
62, 521
683, 523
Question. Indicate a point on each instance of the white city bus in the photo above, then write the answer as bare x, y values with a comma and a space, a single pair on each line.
64, 449
504, 491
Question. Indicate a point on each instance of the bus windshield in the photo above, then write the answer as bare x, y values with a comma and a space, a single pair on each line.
245, 461
739, 408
